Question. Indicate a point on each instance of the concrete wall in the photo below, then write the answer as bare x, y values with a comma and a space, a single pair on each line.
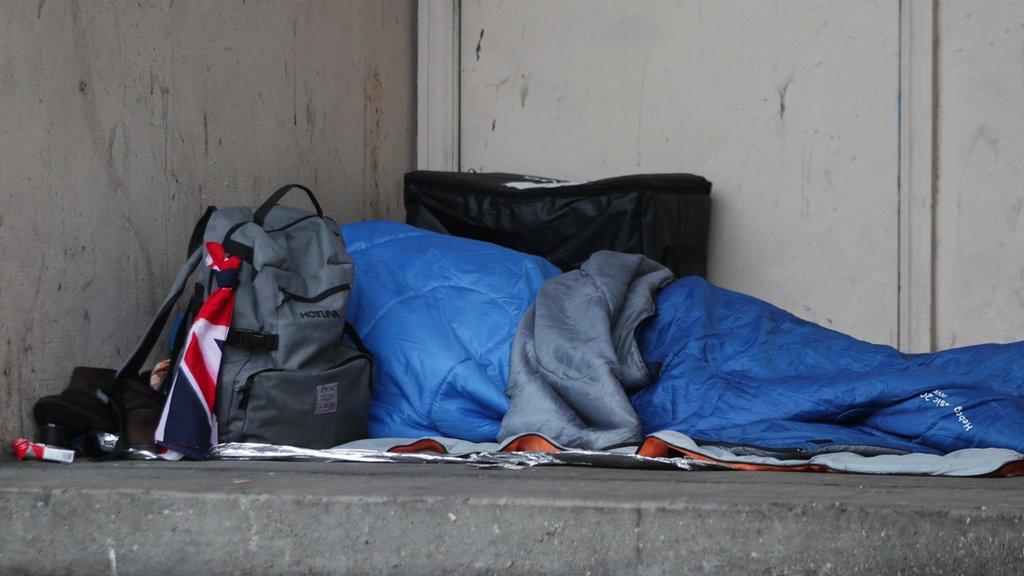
121, 121
800, 113
979, 292
790, 108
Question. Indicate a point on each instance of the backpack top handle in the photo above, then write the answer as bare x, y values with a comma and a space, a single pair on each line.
261, 213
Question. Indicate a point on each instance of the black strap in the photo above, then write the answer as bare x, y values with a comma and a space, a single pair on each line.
350, 331
234, 247
251, 340
261, 213
196, 240
178, 344
134, 364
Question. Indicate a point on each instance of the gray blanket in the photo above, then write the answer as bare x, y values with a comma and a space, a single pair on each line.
575, 356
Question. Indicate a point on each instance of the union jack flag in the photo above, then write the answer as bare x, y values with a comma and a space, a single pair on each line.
188, 426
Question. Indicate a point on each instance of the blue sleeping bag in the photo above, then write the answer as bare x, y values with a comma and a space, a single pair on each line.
440, 313
737, 370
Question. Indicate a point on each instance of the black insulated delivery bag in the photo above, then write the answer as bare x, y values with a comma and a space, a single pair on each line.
662, 216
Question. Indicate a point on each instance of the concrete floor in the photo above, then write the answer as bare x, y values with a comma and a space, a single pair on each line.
320, 518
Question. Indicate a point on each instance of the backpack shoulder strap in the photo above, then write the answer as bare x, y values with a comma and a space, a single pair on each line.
350, 331
128, 375
134, 364
179, 330
196, 240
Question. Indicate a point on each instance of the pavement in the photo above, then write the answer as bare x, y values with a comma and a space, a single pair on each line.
233, 517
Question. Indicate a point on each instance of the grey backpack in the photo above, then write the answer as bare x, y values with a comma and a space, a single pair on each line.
292, 371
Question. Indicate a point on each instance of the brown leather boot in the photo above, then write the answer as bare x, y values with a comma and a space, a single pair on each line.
140, 408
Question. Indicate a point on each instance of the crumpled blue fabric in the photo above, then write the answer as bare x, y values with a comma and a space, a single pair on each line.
737, 370
439, 314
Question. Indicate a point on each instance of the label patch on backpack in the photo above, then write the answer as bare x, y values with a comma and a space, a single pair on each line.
326, 398
320, 314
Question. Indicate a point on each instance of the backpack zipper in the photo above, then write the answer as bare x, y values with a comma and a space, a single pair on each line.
311, 299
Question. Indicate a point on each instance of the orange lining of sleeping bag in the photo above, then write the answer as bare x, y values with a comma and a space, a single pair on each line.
531, 443
424, 445
1007, 470
525, 443
658, 448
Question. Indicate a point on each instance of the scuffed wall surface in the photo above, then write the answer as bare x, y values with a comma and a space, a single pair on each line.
121, 121
790, 108
980, 201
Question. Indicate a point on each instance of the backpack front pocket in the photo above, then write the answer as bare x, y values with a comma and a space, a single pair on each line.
308, 409
308, 314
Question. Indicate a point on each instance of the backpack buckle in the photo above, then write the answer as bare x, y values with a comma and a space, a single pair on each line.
252, 340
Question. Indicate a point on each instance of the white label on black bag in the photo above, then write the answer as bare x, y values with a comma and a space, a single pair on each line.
326, 398
542, 184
